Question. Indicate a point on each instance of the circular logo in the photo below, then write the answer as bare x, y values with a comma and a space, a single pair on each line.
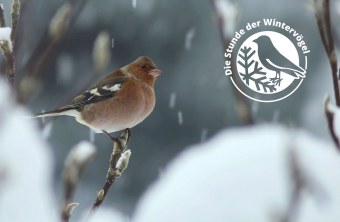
267, 61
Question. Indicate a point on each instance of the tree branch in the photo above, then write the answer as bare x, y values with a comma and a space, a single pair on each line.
15, 13
330, 122
7, 46
47, 47
323, 20
7, 51
2, 16
76, 161
242, 106
118, 163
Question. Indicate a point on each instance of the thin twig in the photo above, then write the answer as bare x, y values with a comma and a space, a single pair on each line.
323, 19
118, 163
330, 122
8, 54
299, 184
77, 159
68, 210
7, 46
15, 13
2, 16
46, 49
242, 106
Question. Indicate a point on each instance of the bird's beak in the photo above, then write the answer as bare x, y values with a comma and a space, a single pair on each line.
155, 72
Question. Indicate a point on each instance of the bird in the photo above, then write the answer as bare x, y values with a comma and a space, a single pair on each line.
273, 60
120, 100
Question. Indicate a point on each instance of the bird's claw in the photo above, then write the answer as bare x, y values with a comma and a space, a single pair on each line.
276, 81
119, 141
126, 134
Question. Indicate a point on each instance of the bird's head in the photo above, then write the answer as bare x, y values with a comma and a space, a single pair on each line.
263, 39
144, 69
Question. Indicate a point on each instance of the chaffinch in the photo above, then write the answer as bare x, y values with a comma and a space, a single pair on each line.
120, 100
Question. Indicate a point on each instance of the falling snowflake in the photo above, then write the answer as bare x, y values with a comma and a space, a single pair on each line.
46, 131
134, 3
92, 136
172, 100
188, 38
180, 117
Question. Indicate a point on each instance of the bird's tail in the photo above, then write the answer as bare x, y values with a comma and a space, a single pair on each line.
57, 112
300, 72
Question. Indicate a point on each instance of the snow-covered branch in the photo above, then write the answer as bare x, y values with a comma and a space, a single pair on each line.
323, 19
47, 47
77, 159
333, 121
2, 16
226, 14
263, 173
7, 39
118, 163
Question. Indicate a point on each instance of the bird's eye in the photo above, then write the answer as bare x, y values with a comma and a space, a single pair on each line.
145, 67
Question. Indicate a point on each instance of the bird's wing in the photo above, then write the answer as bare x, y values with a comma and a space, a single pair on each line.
108, 78
281, 62
102, 91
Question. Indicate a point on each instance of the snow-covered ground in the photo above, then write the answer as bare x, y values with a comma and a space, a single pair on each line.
246, 175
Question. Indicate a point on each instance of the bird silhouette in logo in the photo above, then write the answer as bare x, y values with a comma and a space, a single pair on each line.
273, 60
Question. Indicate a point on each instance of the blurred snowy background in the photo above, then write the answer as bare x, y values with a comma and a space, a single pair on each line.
194, 98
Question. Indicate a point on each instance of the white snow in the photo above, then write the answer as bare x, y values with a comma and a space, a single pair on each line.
124, 159
46, 131
5, 35
82, 152
134, 3
78, 157
188, 38
26, 169
244, 175
180, 117
106, 215
172, 100
26, 166
228, 12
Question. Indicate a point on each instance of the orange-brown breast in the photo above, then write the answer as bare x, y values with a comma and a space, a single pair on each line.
131, 105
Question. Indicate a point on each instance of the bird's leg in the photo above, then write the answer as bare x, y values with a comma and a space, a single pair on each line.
118, 140
111, 137
128, 133
277, 79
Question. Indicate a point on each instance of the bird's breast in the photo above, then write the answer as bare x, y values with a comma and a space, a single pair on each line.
125, 110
